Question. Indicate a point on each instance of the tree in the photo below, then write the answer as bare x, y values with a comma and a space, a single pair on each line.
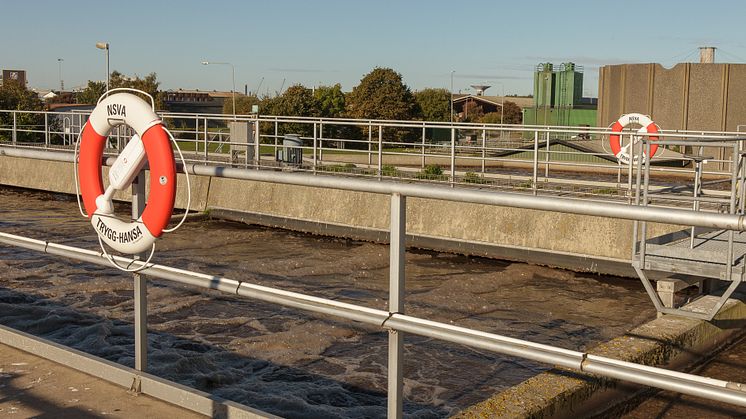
92, 92
330, 101
381, 94
512, 113
243, 104
148, 84
491, 118
473, 112
297, 100
434, 104
14, 96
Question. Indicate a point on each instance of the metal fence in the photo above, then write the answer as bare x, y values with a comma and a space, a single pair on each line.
538, 159
394, 320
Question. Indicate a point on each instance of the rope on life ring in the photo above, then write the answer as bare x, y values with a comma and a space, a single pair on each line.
152, 141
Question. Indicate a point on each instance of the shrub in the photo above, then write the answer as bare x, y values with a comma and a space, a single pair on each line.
472, 177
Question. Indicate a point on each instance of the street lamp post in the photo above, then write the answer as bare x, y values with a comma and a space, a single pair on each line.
452, 71
233, 76
62, 84
105, 46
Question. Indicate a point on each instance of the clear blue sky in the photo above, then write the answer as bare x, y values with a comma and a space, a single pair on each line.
330, 41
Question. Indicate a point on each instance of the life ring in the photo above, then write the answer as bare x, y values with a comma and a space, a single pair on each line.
622, 153
152, 141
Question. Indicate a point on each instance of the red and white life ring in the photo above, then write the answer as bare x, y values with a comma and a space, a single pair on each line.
623, 153
117, 109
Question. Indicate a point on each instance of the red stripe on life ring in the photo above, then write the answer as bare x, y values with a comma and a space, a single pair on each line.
652, 129
160, 205
89, 167
614, 140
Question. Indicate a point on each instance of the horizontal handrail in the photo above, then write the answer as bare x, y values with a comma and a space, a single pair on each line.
720, 390
488, 197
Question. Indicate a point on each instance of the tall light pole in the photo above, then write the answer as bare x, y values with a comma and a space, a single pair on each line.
452, 71
233, 75
105, 46
62, 84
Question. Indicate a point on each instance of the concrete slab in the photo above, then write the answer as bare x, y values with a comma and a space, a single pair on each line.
31, 386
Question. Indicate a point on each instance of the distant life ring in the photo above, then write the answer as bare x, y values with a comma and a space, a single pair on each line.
117, 109
623, 153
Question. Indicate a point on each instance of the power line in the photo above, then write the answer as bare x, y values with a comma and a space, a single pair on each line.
721, 51
684, 54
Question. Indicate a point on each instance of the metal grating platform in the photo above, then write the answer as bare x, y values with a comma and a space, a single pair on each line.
706, 258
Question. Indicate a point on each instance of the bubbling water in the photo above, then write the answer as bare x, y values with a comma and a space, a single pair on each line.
282, 360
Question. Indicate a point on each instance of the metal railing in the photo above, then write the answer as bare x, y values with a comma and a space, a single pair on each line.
537, 159
700, 258
394, 320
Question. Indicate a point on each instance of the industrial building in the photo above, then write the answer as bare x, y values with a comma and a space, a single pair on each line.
702, 96
558, 97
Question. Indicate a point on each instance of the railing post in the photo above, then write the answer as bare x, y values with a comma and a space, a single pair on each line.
630, 168
484, 148
546, 168
141, 290
257, 141
370, 144
46, 129
15, 129
276, 133
453, 155
535, 176
314, 148
423, 146
321, 140
380, 151
196, 134
397, 247
206, 142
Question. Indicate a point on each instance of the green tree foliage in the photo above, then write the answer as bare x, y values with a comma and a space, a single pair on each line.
92, 92
148, 84
490, 118
330, 101
381, 94
14, 96
243, 104
297, 100
434, 104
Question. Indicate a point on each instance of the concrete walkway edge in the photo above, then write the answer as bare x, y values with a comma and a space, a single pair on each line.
156, 387
672, 342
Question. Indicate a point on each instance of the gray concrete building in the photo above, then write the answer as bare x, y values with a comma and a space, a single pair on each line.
689, 96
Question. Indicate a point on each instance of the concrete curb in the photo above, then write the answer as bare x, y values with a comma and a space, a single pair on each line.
670, 341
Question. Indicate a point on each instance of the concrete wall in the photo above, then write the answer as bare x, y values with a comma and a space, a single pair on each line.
688, 96
565, 240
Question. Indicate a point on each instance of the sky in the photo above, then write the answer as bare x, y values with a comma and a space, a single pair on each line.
278, 43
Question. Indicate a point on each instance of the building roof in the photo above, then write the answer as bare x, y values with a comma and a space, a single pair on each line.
211, 93
522, 102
